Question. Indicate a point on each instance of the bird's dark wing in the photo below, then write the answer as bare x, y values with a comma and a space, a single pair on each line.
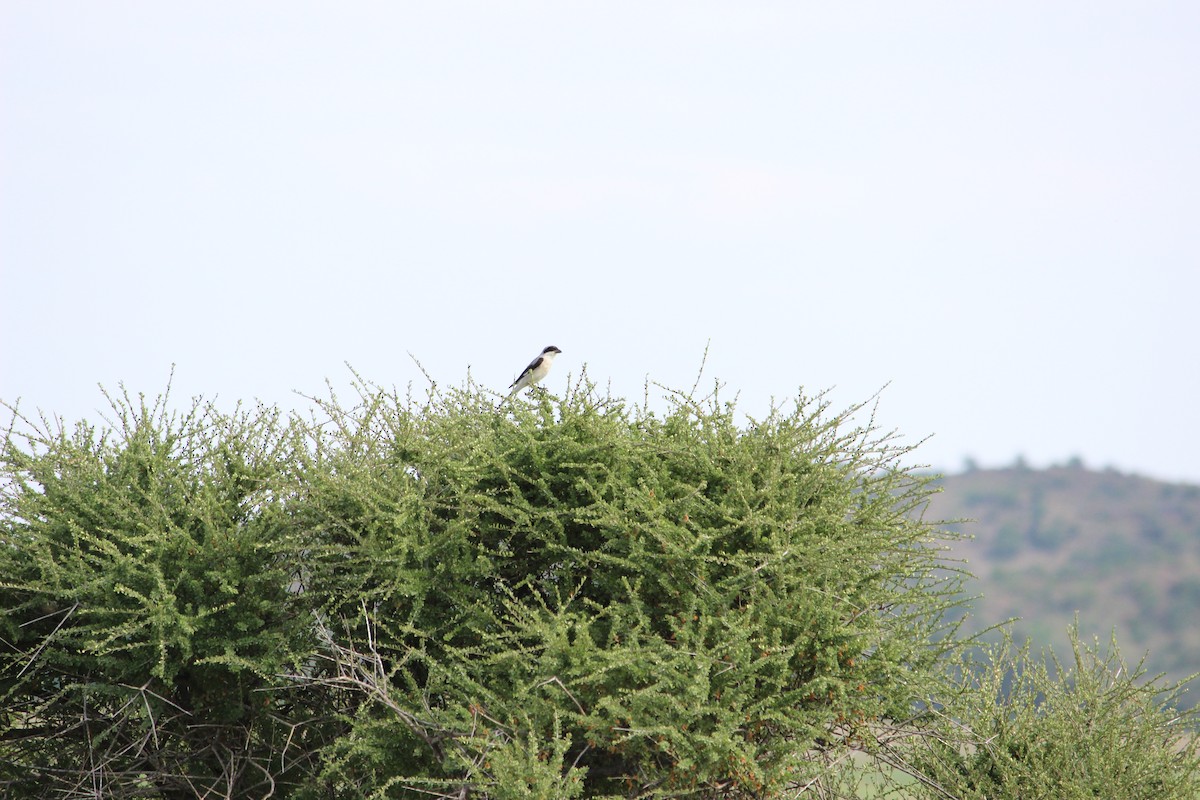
537, 362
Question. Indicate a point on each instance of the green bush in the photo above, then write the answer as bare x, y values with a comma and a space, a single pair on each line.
566, 599
143, 583
577, 598
560, 598
1018, 727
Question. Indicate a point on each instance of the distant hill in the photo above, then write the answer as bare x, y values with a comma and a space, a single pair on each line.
1122, 551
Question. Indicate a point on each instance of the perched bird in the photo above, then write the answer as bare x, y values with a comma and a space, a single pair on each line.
536, 370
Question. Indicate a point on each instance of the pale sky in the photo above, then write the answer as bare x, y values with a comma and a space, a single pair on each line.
992, 207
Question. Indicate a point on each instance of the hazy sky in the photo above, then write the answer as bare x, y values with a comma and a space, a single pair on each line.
994, 206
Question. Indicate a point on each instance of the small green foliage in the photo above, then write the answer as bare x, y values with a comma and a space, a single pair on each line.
1021, 727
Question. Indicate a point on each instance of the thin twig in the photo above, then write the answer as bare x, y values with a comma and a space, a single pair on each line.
46, 641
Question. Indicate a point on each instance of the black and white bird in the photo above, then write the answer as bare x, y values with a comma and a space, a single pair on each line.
537, 369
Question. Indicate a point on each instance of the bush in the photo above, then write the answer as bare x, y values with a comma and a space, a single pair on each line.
573, 597
557, 599
565, 598
143, 582
1019, 727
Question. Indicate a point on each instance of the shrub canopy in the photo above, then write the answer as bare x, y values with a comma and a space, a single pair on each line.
144, 572
1036, 726
560, 597
622, 601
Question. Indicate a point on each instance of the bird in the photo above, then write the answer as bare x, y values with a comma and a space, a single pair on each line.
536, 370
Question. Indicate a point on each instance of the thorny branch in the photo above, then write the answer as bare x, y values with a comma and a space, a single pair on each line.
366, 673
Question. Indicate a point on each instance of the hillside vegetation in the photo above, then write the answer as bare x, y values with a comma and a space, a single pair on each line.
1120, 551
